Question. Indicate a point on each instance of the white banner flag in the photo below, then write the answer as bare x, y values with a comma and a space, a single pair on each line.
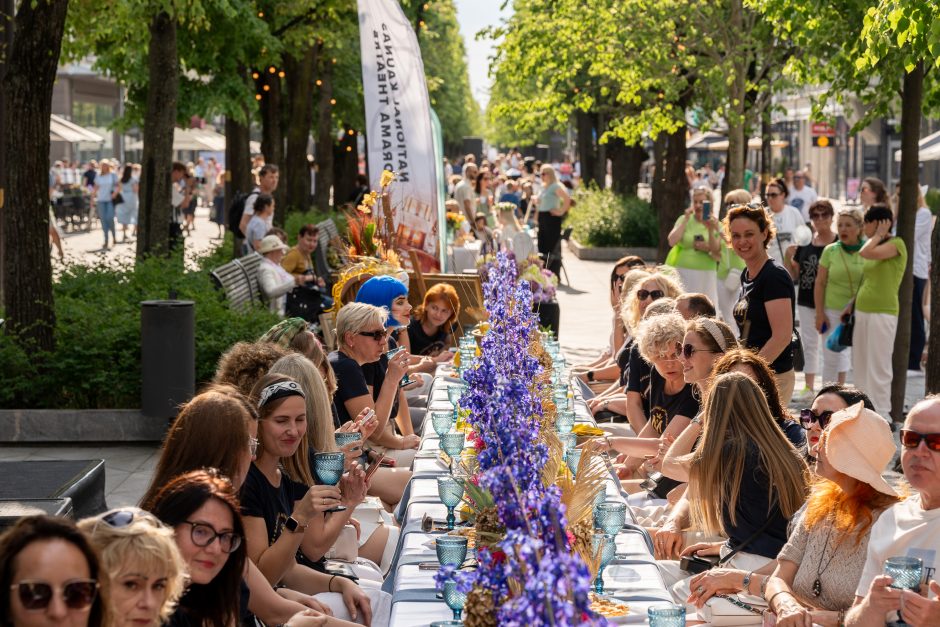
398, 123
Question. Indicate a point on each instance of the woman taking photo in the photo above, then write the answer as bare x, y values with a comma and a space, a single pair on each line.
484, 196
837, 281
765, 308
696, 242
876, 306
49, 575
803, 263
553, 204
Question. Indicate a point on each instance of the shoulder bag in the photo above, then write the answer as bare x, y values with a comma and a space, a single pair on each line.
694, 563
841, 337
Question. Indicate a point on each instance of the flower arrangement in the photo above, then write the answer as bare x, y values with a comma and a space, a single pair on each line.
368, 235
542, 281
455, 220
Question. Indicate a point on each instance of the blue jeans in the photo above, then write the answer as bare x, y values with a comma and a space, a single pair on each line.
106, 215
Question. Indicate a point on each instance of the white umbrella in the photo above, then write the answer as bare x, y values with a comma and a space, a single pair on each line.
61, 130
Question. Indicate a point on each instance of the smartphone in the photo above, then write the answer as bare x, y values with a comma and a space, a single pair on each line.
374, 467
699, 238
706, 210
825, 326
369, 416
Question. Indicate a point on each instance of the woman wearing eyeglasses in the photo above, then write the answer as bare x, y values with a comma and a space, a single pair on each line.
829, 400
49, 576
766, 303
696, 239
146, 572
786, 219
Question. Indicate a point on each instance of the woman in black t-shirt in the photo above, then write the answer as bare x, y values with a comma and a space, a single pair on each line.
765, 308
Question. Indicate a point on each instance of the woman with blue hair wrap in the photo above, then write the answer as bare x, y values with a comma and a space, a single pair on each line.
389, 293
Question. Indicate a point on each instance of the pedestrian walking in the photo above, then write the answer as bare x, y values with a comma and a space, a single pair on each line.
104, 192
128, 195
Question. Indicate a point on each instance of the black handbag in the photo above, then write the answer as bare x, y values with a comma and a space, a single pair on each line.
796, 347
695, 563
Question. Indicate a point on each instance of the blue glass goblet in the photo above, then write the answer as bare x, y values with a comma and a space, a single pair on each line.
906, 573
573, 460
450, 492
451, 550
666, 616
568, 441
598, 499
447, 623
452, 442
564, 421
454, 599
405, 380
328, 468
610, 516
605, 548
454, 392
345, 437
442, 421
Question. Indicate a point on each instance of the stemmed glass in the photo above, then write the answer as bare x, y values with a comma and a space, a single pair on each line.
451, 550
564, 421
452, 442
666, 616
451, 493
454, 599
454, 392
906, 573
610, 516
605, 548
405, 380
345, 437
442, 421
569, 441
573, 460
328, 467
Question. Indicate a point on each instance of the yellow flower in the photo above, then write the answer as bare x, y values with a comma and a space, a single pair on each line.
387, 177
364, 207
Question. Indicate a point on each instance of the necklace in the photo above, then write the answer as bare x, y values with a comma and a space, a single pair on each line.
820, 569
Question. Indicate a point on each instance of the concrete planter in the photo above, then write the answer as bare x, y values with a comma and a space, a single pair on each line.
79, 425
590, 253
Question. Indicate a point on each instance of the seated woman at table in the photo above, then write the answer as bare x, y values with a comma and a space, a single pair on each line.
361, 335
245, 362
746, 481
287, 517
431, 331
819, 568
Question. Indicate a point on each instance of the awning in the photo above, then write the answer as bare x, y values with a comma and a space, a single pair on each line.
196, 139
61, 130
718, 143
929, 149
704, 141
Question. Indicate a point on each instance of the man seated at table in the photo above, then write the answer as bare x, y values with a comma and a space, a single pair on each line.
911, 528
306, 301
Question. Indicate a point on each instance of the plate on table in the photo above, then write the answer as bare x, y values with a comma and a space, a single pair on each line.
614, 610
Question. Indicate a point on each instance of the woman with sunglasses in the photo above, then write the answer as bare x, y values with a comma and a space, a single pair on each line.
830, 399
786, 217
765, 309
803, 263
819, 568
554, 201
696, 242
837, 281
49, 576
145, 570
876, 306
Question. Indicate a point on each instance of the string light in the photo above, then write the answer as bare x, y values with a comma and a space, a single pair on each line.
348, 148
351, 132
260, 13
266, 88
319, 82
272, 69
257, 96
281, 73
334, 60
254, 75
332, 101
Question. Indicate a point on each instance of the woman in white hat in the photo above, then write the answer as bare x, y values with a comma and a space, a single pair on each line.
275, 282
819, 568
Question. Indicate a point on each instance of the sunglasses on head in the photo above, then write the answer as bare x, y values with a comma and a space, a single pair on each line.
378, 336
77, 594
655, 294
808, 417
687, 350
912, 439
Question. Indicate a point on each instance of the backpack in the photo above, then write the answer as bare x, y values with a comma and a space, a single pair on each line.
236, 210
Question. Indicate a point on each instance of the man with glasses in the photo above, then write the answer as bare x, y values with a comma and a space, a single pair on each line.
464, 193
911, 528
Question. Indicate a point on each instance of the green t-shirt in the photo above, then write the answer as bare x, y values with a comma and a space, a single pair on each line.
844, 275
549, 199
882, 278
688, 257
729, 259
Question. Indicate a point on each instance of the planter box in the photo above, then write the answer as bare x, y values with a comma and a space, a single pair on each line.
589, 253
79, 425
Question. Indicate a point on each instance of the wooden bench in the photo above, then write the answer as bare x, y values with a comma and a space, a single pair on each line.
329, 236
239, 280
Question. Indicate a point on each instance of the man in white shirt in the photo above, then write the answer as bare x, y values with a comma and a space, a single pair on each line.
267, 183
910, 528
923, 227
802, 196
464, 193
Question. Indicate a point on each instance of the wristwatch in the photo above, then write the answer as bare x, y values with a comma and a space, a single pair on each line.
590, 375
294, 526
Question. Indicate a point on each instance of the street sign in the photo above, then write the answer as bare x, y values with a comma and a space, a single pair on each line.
822, 129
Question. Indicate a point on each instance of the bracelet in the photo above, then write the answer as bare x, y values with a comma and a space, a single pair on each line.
841, 620
606, 404
763, 585
329, 586
770, 601
747, 582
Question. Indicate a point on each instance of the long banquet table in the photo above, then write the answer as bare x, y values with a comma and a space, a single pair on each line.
632, 577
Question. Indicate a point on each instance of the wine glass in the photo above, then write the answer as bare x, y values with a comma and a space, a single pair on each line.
610, 516
605, 548
405, 380
666, 615
454, 392
568, 441
906, 573
328, 467
442, 421
573, 460
345, 437
452, 442
451, 493
564, 421
451, 550
454, 599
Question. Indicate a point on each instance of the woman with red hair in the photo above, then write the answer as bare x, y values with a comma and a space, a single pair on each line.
431, 331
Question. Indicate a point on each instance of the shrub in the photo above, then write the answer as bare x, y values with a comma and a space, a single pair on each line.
933, 200
295, 220
96, 362
602, 218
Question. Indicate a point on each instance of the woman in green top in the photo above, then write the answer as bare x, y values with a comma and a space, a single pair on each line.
837, 281
876, 307
697, 246
554, 203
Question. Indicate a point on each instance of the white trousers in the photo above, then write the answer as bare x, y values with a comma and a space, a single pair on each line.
833, 363
872, 348
809, 337
726, 301
701, 282
381, 603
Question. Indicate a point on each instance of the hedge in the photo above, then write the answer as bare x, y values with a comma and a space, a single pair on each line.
602, 218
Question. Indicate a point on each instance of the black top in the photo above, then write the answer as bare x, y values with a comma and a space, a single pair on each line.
750, 312
623, 361
424, 344
260, 499
794, 433
181, 618
638, 373
808, 259
663, 407
350, 383
753, 510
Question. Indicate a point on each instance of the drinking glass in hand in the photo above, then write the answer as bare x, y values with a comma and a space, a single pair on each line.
451, 550
345, 437
906, 573
666, 616
405, 380
328, 468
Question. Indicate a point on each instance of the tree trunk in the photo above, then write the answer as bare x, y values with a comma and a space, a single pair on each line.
156, 204
907, 211
600, 160
299, 85
7, 11
237, 163
272, 132
345, 167
27, 84
933, 341
670, 192
737, 97
625, 165
586, 152
324, 156
766, 147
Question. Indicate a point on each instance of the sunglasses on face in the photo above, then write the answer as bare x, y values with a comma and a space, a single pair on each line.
912, 439
618, 280
687, 350
77, 594
773, 194
655, 294
818, 216
808, 417
378, 336
203, 535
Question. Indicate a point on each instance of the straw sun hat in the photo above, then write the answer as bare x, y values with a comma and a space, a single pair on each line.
859, 444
